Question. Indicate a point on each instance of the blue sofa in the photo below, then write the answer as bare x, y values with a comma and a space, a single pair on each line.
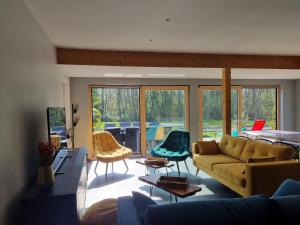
282, 208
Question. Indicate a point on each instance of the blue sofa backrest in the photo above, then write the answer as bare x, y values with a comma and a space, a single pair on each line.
252, 210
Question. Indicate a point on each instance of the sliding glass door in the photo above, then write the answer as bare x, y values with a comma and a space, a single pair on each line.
117, 110
139, 117
163, 108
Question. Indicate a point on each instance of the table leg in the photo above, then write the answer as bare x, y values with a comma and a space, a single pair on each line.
176, 200
151, 190
171, 198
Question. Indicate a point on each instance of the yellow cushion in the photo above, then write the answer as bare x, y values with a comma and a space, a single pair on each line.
208, 147
232, 146
114, 155
208, 161
104, 141
101, 213
261, 159
232, 172
259, 149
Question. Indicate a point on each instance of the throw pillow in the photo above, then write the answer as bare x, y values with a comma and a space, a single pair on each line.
261, 159
141, 203
288, 187
101, 213
208, 147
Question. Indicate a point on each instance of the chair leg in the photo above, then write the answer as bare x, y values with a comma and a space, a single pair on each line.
125, 165
178, 168
106, 169
112, 167
197, 172
96, 167
186, 166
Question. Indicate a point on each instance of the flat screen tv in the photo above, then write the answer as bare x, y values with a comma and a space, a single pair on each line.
57, 131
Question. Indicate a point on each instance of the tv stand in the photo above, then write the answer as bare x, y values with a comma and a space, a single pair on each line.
64, 203
59, 158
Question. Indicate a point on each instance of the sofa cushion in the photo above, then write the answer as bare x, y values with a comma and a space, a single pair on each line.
258, 149
246, 211
171, 155
285, 209
141, 203
126, 211
261, 159
208, 147
232, 172
232, 146
208, 161
288, 187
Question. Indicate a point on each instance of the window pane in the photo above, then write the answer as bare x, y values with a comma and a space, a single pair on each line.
165, 110
259, 103
212, 114
117, 110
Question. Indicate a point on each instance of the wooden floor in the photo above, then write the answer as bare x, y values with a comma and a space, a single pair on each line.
118, 183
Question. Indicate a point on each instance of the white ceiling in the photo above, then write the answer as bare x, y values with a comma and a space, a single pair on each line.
203, 26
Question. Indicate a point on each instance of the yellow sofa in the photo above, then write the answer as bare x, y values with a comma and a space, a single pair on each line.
230, 165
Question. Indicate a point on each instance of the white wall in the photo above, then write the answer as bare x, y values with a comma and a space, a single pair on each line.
297, 105
80, 95
29, 83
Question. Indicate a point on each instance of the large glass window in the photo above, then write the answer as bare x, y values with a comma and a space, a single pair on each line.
259, 103
116, 109
165, 110
248, 104
211, 119
139, 117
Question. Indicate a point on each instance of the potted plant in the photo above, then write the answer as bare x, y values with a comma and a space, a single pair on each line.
45, 176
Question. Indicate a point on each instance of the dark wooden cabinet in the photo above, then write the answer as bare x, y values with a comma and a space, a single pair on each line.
64, 203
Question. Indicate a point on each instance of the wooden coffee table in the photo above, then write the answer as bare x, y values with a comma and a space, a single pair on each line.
177, 192
155, 167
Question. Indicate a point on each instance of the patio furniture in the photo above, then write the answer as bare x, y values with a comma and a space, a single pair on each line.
258, 125
153, 123
125, 124
116, 132
176, 147
132, 138
150, 135
136, 124
108, 150
108, 125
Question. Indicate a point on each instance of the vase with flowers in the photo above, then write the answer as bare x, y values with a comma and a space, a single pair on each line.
45, 176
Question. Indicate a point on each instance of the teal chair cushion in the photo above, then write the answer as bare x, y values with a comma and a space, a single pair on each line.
176, 146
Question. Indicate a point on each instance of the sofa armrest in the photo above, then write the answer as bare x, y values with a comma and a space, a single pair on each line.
195, 149
126, 212
265, 178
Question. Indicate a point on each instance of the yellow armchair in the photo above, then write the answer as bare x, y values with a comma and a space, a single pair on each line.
108, 150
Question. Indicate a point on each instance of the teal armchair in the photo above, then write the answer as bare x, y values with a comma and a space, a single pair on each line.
176, 147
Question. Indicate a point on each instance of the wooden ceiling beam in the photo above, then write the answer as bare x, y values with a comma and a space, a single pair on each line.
161, 59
